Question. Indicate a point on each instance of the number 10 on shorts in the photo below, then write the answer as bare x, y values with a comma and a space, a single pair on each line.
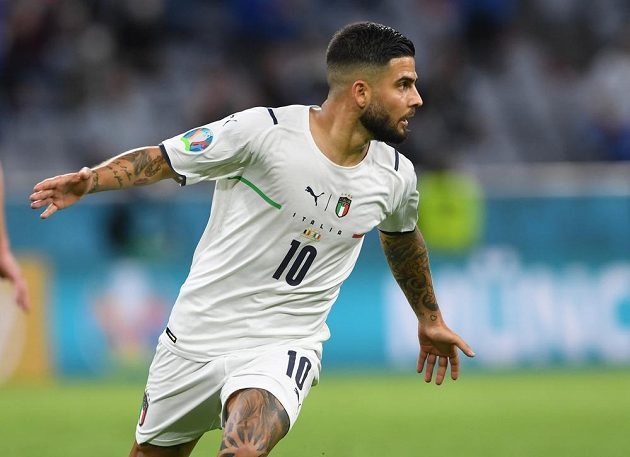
304, 366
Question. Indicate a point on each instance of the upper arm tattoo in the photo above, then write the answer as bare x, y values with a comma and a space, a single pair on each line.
143, 163
140, 159
408, 259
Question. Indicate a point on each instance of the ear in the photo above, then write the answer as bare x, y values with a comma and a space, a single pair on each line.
361, 92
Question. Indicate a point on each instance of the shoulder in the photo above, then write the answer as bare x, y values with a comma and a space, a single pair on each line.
258, 118
241, 127
290, 116
254, 121
393, 162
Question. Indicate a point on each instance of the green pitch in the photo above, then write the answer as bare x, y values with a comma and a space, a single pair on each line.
543, 414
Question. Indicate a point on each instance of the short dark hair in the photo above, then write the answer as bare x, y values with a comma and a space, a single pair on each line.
367, 43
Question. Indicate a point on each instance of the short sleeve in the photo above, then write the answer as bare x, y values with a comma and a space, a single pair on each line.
218, 149
404, 215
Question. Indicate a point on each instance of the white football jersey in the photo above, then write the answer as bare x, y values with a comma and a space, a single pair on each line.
285, 230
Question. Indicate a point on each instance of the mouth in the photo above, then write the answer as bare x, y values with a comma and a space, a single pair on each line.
405, 120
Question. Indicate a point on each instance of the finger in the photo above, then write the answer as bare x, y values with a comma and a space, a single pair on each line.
59, 181
46, 184
23, 304
41, 203
39, 186
428, 374
41, 195
461, 344
421, 359
441, 371
21, 298
52, 209
454, 367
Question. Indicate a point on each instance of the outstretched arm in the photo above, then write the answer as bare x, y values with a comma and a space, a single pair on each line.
9, 267
137, 167
408, 259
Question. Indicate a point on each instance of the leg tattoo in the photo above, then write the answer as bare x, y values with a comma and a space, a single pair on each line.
256, 422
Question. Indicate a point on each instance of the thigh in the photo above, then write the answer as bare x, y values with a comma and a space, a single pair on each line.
181, 401
255, 422
287, 373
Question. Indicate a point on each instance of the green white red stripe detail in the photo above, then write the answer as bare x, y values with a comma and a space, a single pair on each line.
258, 191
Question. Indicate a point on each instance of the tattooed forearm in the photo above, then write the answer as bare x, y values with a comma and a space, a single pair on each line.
409, 261
133, 168
255, 424
114, 171
125, 169
154, 166
95, 186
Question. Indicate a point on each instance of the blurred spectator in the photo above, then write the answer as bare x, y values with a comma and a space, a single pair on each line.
503, 80
9, 268
607, 89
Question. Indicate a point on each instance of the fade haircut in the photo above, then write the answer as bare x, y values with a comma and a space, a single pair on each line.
365, 46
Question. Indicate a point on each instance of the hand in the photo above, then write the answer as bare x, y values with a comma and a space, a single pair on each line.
10, 270
437, 341
61, 191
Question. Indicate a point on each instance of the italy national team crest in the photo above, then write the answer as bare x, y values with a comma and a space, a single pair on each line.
343, 206
143, 411
196, 140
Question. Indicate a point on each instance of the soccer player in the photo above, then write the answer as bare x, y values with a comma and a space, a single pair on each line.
297, 187
9, 267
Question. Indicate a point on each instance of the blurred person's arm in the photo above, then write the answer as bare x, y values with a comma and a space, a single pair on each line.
9, 268
408, 260
138, 167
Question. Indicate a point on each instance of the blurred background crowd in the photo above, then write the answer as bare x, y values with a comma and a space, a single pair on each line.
522, 148
504, 81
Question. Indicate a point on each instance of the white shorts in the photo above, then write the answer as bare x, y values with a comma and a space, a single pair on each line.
184, 399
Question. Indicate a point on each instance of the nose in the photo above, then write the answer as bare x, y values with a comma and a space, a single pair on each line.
416, 100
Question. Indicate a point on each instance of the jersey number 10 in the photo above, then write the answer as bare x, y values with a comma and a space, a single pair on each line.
301, 264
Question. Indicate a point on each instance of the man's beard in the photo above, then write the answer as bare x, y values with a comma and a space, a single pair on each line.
376, 120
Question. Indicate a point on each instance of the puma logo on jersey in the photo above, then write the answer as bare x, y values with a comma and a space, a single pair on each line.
310, 191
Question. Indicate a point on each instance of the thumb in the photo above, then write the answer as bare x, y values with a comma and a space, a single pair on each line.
465, 348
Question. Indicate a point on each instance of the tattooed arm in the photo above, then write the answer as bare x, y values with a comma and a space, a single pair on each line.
137, 167
408, 260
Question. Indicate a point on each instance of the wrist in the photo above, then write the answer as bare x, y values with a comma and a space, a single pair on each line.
92, 184
430, 317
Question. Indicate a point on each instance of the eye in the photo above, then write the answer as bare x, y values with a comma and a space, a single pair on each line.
405, 84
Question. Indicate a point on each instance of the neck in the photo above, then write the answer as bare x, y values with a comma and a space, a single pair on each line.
338, 133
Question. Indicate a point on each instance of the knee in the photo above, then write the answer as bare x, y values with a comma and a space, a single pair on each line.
141, 450
255, 422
